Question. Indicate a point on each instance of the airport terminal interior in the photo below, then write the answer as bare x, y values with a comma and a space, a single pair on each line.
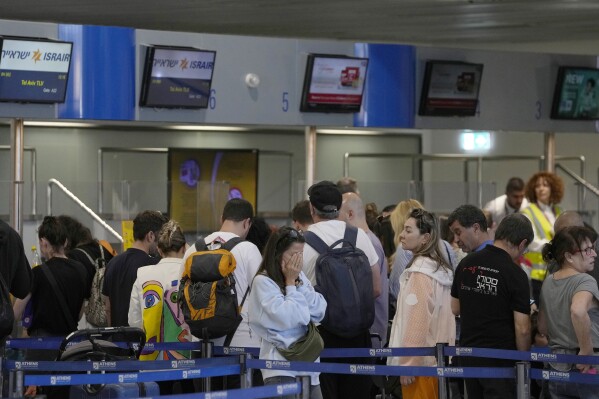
178, 108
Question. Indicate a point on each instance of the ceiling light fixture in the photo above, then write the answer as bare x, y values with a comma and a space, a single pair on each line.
210, 128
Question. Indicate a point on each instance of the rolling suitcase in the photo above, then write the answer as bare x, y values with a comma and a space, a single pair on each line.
98, 344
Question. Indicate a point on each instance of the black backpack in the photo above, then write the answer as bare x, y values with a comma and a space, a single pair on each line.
207, 294
344, 278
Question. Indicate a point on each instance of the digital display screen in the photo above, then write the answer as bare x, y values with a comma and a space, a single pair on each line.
177, 77
576, 94
450, 88
197, 193
34, 70
333, 83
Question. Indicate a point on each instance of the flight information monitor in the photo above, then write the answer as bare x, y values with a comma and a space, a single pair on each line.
333, 83
34, 70
177, 77
450, 88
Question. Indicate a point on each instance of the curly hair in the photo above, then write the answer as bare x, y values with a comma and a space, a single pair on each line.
555, 182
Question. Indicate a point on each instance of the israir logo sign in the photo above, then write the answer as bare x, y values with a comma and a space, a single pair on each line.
23, 55
182, 64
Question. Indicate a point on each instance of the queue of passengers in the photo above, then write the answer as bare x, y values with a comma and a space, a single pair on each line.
474, 278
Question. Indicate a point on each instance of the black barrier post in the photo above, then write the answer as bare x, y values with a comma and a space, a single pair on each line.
304, 381
443, 382
523, 380
207, 348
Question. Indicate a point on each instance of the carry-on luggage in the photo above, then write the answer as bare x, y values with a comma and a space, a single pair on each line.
98, 344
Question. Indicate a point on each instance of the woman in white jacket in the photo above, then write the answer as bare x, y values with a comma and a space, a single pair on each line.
282, 303
423, 317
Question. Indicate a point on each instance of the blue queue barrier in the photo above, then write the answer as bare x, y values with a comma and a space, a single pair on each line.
230, 363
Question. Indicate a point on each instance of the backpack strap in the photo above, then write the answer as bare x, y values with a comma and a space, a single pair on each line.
92, 261
229, 245
316, 242
61, 301
102, 254
350, 237
201, 244
230, 335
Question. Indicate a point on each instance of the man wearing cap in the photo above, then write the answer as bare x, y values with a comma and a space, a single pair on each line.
325, 204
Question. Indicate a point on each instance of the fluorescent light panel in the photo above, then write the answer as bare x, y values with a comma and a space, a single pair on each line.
210, 128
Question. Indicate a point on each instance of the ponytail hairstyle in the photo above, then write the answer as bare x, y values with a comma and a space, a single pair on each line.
54, 232
426, 222
170, 237
567, 240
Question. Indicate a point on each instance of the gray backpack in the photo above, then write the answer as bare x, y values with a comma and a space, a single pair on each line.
95, 311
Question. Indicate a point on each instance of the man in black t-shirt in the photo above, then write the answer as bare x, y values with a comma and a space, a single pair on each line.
121, 271
14, 266
490, 293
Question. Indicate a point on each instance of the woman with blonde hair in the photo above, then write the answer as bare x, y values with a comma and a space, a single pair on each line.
402, 257
423, 317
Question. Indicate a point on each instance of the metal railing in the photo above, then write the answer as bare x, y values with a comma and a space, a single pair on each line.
583, 186
54, 182
416, 158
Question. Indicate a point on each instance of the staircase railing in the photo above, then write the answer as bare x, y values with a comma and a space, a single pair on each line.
86, 209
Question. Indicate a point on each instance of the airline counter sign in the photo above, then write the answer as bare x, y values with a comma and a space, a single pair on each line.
170, 63
41, 56
34, 71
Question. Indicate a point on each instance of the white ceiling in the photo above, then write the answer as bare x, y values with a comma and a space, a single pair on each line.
455, 23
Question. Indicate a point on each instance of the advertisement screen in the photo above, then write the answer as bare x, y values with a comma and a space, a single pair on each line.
334, 84
576, 94
450, 89
177, 78
34, 71
203, 180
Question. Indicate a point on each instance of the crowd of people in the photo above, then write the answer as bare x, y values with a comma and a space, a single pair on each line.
475, 278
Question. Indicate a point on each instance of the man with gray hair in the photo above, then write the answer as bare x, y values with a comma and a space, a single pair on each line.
352, 211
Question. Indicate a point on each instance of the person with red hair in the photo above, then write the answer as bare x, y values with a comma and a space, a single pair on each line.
544, 190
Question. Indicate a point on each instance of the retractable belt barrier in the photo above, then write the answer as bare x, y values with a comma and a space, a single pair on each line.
237, 360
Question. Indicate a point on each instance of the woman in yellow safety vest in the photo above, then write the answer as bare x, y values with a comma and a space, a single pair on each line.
544, 190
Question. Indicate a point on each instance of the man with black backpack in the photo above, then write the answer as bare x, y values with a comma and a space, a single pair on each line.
340, 261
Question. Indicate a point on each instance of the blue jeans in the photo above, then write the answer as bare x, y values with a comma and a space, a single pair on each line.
569, 390
314, 389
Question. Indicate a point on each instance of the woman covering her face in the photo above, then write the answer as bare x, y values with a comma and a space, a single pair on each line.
282, 302
423, 315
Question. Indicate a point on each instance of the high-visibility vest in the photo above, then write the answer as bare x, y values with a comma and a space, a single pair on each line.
543, 229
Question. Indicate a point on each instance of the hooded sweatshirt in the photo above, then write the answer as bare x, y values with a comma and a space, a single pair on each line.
423, 317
